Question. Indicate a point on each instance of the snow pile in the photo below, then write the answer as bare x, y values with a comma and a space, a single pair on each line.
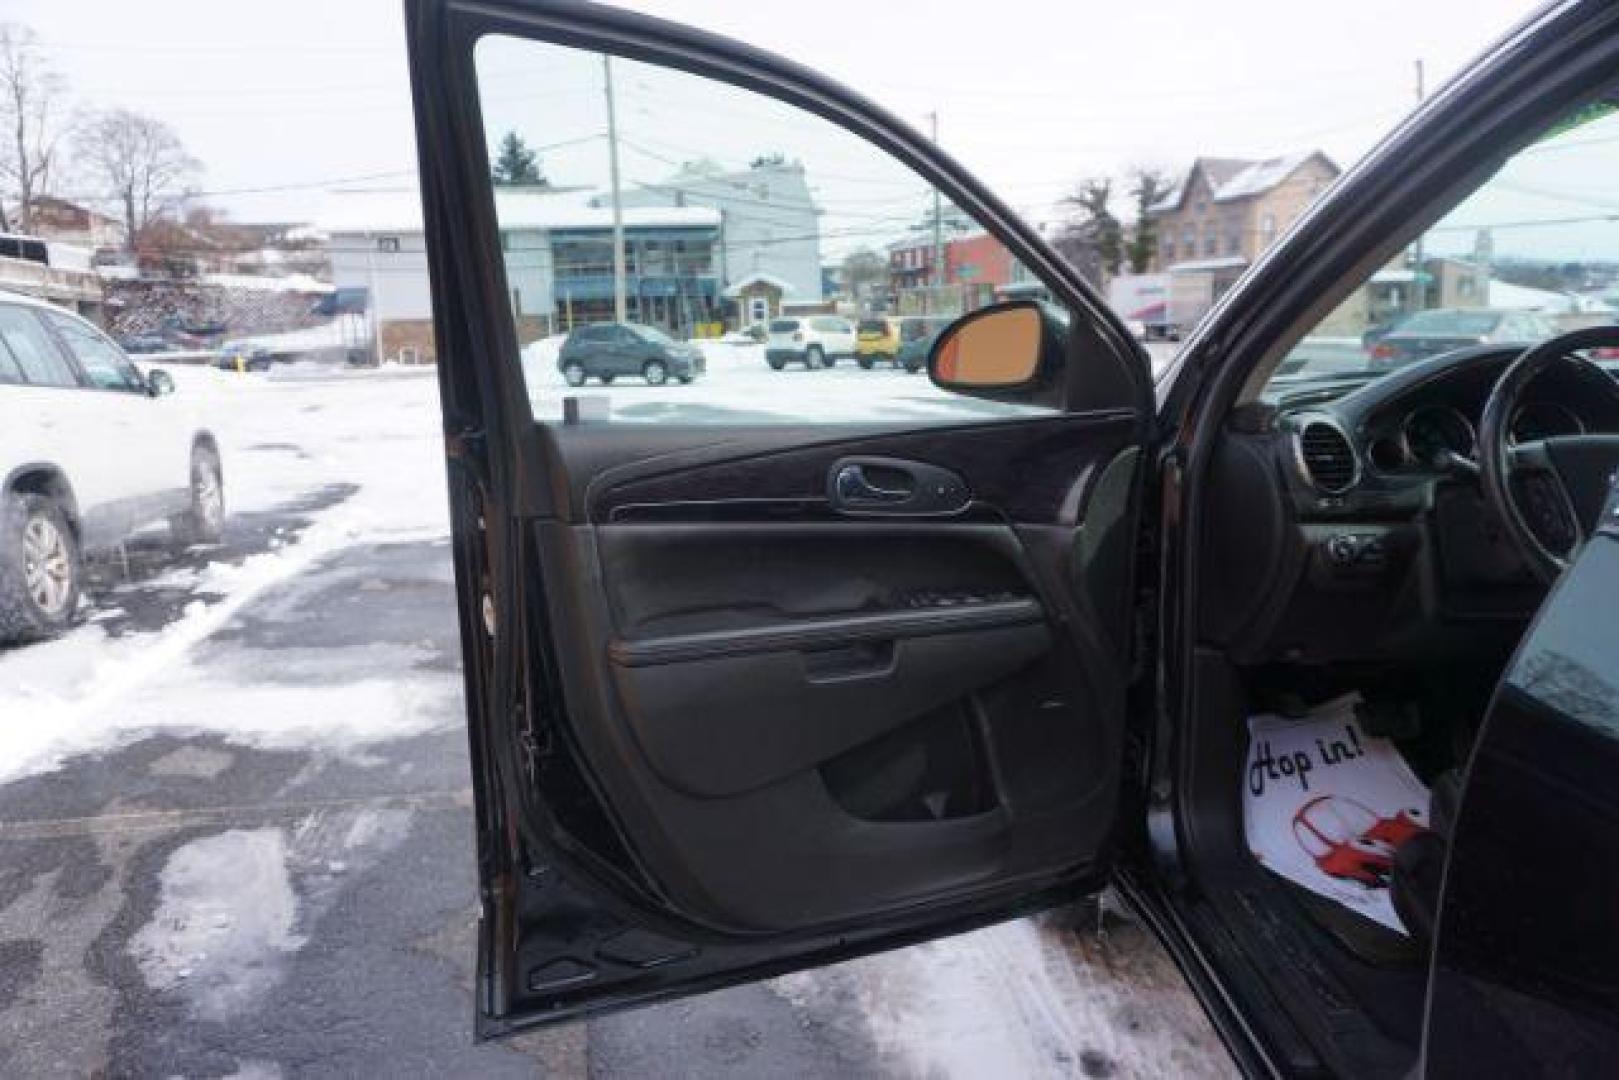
377, 434
1025, 999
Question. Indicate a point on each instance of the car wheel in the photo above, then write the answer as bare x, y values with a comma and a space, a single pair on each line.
656, 372
40, 569
866, 363
814, 358
204, 522
574, 372
912, 369
685, 380
607, 380
776, 365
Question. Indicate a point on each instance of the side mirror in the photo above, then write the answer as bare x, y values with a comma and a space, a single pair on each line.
1012, 351
159, 382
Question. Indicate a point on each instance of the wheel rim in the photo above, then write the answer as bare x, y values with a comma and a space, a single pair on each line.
656, 373
208, 494
47, 565
576, 374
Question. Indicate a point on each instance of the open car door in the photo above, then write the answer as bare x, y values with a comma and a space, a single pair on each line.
764, 668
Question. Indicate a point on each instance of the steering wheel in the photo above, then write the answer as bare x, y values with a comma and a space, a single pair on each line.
1549, 494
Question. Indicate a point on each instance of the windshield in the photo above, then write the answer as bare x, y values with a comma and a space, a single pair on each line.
783, 326
1450, 323
653, 334
1531, 253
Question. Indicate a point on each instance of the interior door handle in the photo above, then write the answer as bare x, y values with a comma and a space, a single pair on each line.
853, 485
879, 485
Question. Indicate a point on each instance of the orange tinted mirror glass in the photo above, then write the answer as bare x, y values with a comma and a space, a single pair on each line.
997, 349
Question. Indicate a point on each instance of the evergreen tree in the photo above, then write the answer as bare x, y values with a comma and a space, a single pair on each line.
517, 165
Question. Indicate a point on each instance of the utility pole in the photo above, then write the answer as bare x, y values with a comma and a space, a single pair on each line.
1419, 286
618, 206
938, 222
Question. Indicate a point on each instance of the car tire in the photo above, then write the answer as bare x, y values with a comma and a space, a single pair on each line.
607, 380
776, 365
684, 380
866, 363
40, 569
204, 522
814, 358
574, 373
912, 369
655, 372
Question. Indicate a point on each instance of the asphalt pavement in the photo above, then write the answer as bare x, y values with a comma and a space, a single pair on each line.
193, 901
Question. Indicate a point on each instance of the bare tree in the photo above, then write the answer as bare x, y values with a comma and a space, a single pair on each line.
141, 165
863, 269
1091, 237
34, 119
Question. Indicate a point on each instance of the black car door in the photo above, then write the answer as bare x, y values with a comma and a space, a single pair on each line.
1525, 956
757, 680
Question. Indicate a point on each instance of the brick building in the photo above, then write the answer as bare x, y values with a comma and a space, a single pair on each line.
1222, 215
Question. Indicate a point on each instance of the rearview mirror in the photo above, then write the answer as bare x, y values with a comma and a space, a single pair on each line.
159, 382
1011, 350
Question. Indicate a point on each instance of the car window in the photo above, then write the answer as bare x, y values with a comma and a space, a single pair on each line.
10, 370
103, 363
1531, 253
41, 362
699, 210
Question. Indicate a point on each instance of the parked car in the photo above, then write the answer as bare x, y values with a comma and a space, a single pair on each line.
91, 450
1439, 330
816, 341
877, 339
245, 356
140, 344
608, 351
917, 333
749, 701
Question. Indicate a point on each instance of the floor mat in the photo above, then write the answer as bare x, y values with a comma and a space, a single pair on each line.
1325, 805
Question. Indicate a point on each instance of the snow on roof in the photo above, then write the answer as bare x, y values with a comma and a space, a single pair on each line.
1259, 177
756, 278
400, 211
300, 283
1504, 294
1225, 262
1233, 178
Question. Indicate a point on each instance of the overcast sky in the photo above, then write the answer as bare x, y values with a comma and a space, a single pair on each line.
296, 95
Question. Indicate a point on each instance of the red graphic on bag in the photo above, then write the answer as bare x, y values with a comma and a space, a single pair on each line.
1348, 840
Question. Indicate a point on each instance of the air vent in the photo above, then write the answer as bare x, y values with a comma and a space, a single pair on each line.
1326, 456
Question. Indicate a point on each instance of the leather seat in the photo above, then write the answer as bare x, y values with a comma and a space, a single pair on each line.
1419, 863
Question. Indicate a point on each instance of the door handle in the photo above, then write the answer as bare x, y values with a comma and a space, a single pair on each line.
854, 486
879, 485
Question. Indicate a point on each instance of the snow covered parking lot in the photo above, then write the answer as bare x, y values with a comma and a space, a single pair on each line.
235, 824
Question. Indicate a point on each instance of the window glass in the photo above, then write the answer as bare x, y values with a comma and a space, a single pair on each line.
103, 363
10, 370
36, 354
1531, 253
698, 210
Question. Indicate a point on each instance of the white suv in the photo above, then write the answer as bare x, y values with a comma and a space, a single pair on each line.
90, 451
815, 341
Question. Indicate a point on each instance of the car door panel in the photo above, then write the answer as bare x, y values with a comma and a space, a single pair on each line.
725, 719
774, 663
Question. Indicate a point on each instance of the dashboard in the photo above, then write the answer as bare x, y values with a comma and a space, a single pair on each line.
1348, 518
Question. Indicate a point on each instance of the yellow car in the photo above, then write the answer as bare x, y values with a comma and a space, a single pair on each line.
876, 339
